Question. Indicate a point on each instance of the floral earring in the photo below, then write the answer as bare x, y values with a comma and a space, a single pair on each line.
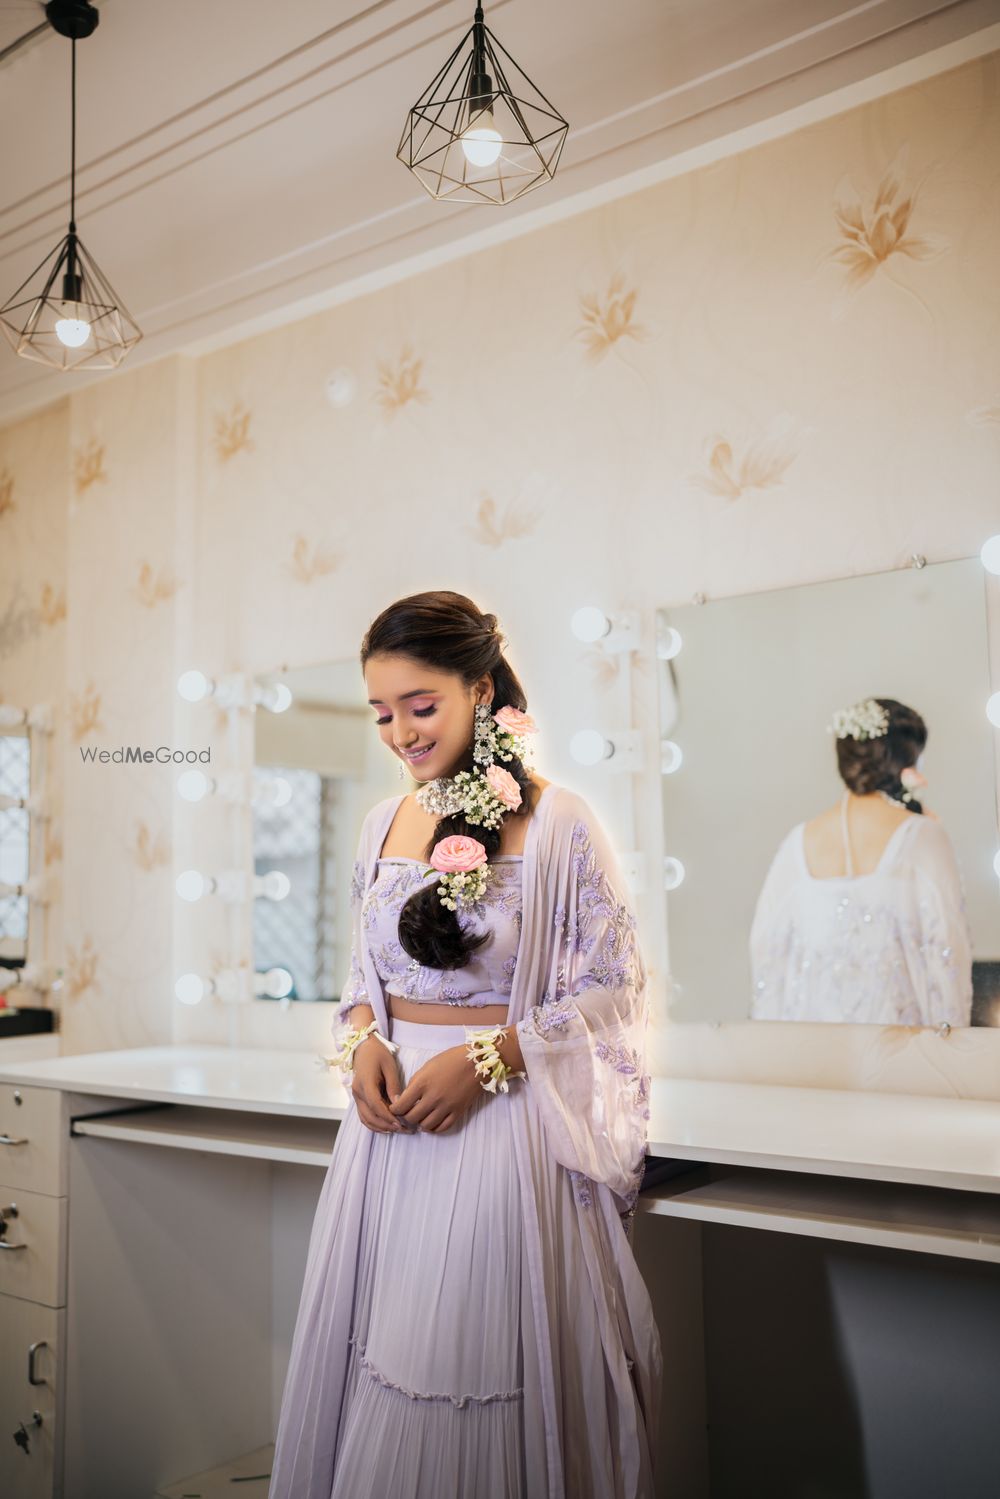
482, 752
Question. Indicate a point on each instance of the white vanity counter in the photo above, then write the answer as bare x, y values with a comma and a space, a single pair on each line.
941, 1142
131, 1168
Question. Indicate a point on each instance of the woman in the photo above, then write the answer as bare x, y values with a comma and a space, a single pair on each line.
472, 1320
862, 915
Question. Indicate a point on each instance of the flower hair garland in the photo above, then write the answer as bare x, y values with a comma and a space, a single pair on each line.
486, 794
864, 720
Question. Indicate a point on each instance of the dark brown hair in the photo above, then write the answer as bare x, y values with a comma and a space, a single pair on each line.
868, 765
448, 632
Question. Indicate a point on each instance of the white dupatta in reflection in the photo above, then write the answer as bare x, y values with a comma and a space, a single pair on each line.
579, 1002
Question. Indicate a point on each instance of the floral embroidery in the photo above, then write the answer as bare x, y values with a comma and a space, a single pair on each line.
625, 1059
581, 1188
490, 971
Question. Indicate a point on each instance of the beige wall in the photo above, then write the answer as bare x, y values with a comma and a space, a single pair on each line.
718, 384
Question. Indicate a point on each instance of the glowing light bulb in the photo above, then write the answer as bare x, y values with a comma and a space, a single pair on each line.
192, 785
673, 872
190, 988
671, 756
72, 331
192, 884
990, 554
482, 141
193, 686
993, 709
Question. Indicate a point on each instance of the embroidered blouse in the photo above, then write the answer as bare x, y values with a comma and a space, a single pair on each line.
891, 947
486, 979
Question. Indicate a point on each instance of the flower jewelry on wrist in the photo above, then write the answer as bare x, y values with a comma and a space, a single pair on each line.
345, 1056
482, 1052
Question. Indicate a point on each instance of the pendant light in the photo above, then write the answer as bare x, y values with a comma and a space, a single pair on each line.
482, 132
75, 320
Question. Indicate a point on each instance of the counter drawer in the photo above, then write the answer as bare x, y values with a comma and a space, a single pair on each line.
31, 1134
37, 1472
33, 1263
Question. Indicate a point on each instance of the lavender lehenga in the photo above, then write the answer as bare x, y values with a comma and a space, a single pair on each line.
472, 1320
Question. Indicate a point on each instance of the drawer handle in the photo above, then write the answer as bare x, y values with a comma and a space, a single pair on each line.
13, 1140
31, 1361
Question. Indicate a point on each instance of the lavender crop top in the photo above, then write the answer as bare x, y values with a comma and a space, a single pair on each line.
488, 978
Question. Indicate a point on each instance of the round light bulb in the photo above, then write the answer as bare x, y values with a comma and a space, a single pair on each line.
482, 141
588, 747
277, 983
191, 884
193, 785
669, 644
275, 885
190, 988
72, 331
990, 555
671, 756
993, 709
996, 864
589, 623
673, 872
193, 686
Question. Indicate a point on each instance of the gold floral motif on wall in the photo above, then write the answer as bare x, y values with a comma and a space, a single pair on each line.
399, 383
7, 502
232, 432
730, 469
309, 560
608, 318
492, 528
88, 466
870, 236
53, 605
147, 851
84, 712
154, 588
81, 969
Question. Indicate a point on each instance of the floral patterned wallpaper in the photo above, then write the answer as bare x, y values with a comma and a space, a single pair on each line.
779, 367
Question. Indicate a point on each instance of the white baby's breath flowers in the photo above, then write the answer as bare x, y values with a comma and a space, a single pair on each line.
864, 720
462, 887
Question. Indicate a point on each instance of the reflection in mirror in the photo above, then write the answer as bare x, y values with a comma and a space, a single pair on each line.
830, 802
15, 838
318, 769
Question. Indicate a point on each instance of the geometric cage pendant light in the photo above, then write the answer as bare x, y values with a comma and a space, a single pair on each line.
481, 131
73, 320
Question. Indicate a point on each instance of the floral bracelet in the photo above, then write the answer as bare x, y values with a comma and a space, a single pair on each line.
482, 1051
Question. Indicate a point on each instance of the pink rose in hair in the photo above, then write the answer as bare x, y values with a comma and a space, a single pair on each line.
458, 854
515, 722
911, 778
503, 785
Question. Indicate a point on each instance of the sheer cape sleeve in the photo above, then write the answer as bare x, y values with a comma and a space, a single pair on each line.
945, 941
355, 990
584, 1043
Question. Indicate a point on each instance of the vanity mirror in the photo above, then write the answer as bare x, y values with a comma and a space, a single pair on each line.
772, 912
318, 769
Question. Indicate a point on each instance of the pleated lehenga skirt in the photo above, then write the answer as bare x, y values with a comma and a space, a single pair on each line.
432, 1398
414, 1370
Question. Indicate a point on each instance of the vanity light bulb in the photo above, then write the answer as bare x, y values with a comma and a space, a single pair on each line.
673, 872
993, 709
590, 623
191, 885
193, 785
277, 983
589, 747
275, 698
990, 555
193, 686
275, 885
671, 756
190, 988
669, 643
996, 864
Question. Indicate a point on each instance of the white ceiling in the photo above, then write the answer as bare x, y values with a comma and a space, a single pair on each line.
236, 158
